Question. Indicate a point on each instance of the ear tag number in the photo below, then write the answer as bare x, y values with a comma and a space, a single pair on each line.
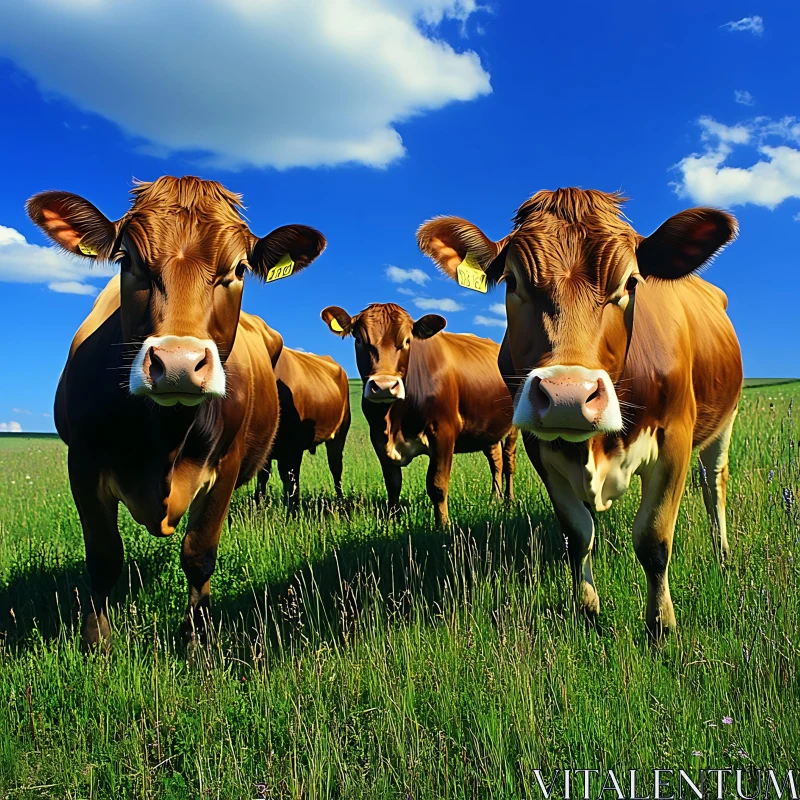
470, 275
335, 326
86, 250
283, 269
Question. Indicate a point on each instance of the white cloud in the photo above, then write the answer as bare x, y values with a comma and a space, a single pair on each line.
774, 177
72, 287
20, 411
235, 83
753, 24
398, 275
22, 262
440, 304
743, 97
796, 217
403, 290
498, 308
480, 319
735, 134
10, 427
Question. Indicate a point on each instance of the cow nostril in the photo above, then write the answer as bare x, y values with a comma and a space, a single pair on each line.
202, 362
538, 394
593, 396
157, 370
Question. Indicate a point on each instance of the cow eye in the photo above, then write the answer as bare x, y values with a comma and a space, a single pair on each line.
511, 282
631, 285
240, 269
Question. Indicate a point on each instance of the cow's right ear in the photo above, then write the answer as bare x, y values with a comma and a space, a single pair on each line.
73, 223
337, 319
448, 240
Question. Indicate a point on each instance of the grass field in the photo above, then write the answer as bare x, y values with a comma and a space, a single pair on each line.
360, 658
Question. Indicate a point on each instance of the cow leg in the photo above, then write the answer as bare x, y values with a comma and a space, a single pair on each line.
199, 548
262, 479
510, 461
289, 470
392, 472
335, 450
714, 458
104, 552
494, 455
654, 527
577, 527
393, 478
438, 478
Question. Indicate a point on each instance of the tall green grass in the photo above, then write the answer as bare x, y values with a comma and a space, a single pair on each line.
356, 656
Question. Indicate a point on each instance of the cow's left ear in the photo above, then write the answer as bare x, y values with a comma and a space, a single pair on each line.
685, 242
428, 326
297, 244
448, 240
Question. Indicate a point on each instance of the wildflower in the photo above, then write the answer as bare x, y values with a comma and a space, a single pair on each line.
696, 753
743, 753
770, 476
27, 477
727, 720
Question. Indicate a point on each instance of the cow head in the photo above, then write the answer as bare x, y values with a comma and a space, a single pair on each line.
183, 250
383, 333
571, 267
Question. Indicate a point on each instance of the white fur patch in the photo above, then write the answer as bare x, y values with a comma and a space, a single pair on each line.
525, 417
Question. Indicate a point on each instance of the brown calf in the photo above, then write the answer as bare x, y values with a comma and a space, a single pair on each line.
314, 399
168, 399
429, 394
604, 393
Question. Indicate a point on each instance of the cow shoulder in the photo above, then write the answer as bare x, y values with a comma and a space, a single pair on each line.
105, 305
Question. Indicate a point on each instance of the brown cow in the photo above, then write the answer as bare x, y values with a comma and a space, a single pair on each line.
168, 399
605, 398
428, 394
314, 399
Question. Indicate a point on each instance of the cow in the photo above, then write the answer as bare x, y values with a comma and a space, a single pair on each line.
314, 398
168, 399
429, 393
620, 359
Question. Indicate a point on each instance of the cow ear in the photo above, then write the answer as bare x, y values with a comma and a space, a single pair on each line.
448, 240
685, 242
338, 320
428, 326
290, 248
73, 223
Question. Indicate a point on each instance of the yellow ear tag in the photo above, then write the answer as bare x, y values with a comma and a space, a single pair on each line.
335, 326
470, 275
283, 269
86, 250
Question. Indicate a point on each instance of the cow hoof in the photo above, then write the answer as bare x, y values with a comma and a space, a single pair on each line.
662, 627
96, 635
589, 602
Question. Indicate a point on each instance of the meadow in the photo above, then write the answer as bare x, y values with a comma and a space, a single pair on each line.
360, 657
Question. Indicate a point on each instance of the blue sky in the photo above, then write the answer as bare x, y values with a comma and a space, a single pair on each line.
368, 119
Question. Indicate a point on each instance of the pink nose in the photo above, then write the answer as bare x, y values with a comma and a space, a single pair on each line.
382, 388
568, 401
178, 369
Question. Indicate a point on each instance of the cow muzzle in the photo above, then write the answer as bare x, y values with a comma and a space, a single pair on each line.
568, 402
178, 369
384, 389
